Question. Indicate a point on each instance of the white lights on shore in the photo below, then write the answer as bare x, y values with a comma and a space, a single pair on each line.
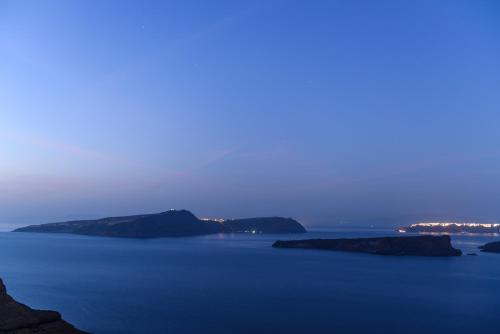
218, 220
445, 224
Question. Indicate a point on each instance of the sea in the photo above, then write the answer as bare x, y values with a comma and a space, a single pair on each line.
238, 283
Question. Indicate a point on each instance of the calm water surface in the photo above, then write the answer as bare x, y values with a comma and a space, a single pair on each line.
239, 284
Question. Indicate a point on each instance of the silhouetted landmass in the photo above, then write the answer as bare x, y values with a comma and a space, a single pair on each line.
169, 223
400, 246
492, 247
172, 223
16, 318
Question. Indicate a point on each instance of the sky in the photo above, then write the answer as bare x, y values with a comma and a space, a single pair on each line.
331, 112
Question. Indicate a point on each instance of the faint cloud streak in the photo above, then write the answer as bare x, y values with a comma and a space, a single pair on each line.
46, 143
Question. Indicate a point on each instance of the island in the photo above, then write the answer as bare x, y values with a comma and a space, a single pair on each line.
399, 246
171, 223
16, 318
492, 247
451, 227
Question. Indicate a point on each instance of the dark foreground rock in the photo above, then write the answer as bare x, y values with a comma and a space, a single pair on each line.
16, 318
492, 247
400, 246
172, 223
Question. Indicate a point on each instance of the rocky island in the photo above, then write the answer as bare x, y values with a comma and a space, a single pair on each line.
492, 247
16, 318
172, 223
399, 246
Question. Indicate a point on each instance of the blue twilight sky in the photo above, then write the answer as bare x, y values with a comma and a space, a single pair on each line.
368, 112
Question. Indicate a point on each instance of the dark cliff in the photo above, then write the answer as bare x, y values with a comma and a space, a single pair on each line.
400, 246
16, 318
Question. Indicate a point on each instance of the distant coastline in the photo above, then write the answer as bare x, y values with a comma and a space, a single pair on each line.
171, 223
452, 227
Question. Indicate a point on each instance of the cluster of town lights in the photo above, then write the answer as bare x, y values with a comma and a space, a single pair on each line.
218, 220
445, 224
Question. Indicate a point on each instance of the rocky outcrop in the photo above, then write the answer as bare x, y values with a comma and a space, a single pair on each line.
492, 247
172, 223
16, 318
400, 246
